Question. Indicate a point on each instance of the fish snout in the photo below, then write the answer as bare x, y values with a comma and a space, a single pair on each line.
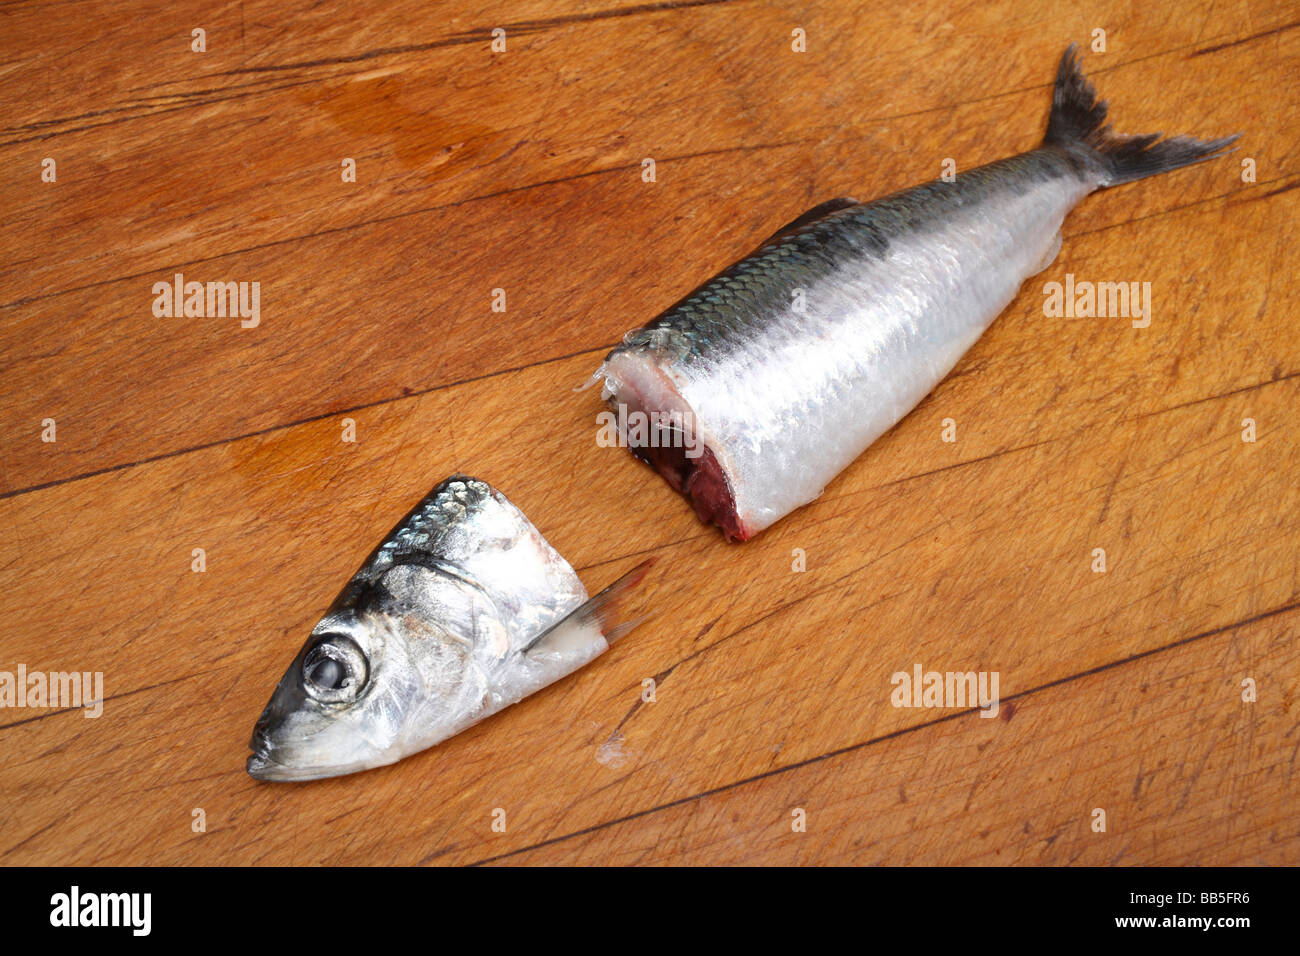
260, 766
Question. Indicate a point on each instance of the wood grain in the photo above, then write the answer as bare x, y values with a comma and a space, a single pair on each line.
1121, 691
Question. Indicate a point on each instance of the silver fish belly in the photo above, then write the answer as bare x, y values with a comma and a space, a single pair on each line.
463, 610
789, 364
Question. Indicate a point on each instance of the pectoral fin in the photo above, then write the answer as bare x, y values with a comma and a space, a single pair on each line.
597, 613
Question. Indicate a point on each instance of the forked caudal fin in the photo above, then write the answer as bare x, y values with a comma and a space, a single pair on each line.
597, 613
1078, 123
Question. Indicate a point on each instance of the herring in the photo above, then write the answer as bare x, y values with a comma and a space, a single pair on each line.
791, 362
463, 610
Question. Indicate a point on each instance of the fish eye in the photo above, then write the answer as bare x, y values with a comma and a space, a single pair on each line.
334, 669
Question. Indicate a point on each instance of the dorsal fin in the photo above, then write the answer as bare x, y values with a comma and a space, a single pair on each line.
819, 211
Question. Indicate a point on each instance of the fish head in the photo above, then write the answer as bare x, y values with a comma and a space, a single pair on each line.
405, 666
453, 617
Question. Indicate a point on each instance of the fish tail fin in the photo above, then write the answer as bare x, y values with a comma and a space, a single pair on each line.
599, 612
1078, 123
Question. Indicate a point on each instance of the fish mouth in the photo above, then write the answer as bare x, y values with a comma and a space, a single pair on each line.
262, 765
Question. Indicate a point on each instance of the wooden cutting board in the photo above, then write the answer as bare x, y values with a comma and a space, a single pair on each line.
1147, 711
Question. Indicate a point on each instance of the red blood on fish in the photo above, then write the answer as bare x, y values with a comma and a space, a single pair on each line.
701, 480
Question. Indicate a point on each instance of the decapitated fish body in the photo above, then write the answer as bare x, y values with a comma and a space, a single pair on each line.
463, 610
788, 364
